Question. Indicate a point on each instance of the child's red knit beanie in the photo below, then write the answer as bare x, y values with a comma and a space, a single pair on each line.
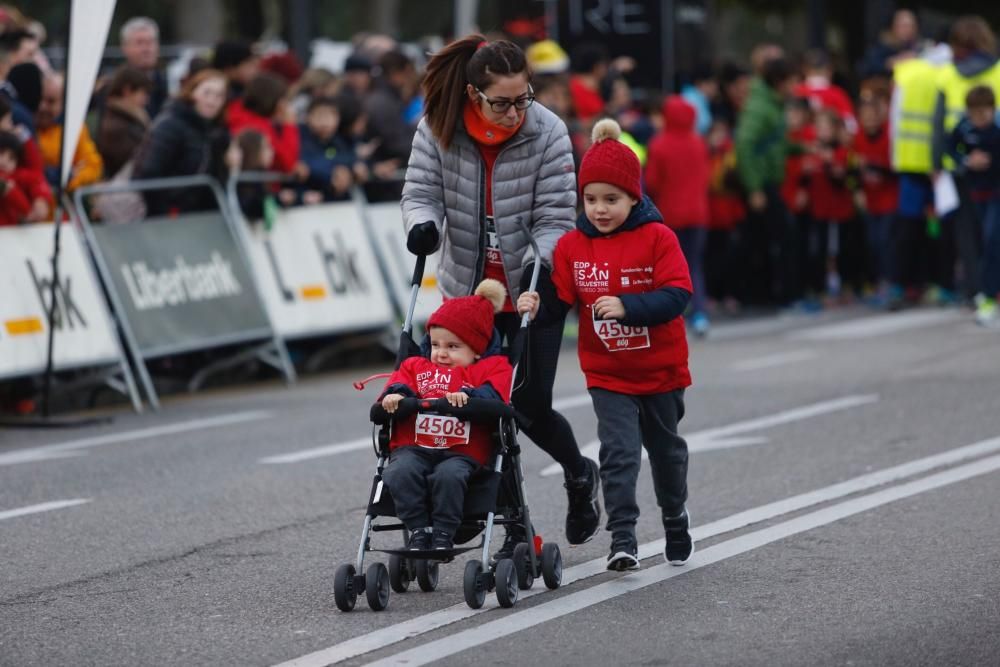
471, 317
610, 161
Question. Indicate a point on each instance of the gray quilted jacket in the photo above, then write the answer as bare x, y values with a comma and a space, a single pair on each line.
534, 182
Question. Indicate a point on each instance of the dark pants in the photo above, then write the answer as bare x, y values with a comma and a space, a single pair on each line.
912, 252
533, 394
771, 240
692, 240
625, 424
880, 258
428, 487
991, 248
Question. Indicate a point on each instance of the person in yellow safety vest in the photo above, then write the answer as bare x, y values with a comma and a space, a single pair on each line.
974, 63
914, 98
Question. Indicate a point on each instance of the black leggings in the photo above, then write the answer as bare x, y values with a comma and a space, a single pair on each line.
533, 390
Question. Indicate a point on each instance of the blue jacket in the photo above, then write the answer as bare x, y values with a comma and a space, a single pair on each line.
966, 138
322, 157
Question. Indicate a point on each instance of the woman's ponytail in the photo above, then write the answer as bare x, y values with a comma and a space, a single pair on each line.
444, 86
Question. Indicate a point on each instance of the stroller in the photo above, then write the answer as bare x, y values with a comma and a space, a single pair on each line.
494, 496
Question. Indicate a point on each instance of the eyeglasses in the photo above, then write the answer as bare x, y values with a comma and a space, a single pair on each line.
504, 105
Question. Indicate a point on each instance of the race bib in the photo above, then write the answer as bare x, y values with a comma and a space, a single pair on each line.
618, 337
441, 431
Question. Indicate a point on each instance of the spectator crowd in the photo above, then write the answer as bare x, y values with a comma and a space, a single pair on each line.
785, 189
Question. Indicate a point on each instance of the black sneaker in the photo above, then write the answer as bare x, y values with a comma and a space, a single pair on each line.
515, 535
583, 517
680, 546
420, 540
624, 553
441, 540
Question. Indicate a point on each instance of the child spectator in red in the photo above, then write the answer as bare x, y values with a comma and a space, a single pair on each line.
832, 205
878, 198
14, 203
795, 192
464, 360
625, 271
725, 211
677, 182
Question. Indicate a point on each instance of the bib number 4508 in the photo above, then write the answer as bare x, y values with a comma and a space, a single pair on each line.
441, 431
618, 337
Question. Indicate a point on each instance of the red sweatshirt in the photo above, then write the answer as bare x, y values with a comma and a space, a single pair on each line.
828, 192
14, 201
284, 137
636, 259
880, 184
428, 380
677, 168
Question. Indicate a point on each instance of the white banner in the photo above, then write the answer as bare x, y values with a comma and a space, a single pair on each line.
386, 224
317, 272
89, 24
84, 334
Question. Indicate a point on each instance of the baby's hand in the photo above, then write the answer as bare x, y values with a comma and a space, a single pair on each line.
391, 401
457, 399
528, 303
609, 308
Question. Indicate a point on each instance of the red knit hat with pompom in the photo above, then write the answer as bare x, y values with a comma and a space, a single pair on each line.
610, 161
471, 317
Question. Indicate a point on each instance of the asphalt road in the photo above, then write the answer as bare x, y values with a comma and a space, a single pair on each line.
844, 484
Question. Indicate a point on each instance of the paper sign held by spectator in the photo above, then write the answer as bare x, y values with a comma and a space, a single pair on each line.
945, 194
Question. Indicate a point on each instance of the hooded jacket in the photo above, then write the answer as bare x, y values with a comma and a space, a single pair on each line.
677, 169
642, 264
761, 144
418, 377
534, 184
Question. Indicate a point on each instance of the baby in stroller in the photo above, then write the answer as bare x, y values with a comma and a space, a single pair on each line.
432, 457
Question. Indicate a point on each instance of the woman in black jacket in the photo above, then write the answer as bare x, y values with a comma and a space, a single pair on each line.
187, 138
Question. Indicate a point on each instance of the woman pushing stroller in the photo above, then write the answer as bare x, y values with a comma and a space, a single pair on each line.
500, 170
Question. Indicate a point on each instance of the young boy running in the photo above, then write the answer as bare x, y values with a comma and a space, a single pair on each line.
433, 456
625, 271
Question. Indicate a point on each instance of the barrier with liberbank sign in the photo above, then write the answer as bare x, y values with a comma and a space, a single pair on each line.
182, 284
318, 273
84, 334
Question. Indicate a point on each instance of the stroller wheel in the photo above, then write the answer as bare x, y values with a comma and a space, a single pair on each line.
474, 584
551, 565
522, 566
427, 575
343, 587
400, 574
377, 586
507, 587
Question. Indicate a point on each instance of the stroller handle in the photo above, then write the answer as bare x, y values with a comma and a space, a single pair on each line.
477, 409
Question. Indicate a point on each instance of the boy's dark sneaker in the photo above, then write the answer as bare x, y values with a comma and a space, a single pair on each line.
442, 540
680, 546
420, 540
515, 535
583, 517
624, 553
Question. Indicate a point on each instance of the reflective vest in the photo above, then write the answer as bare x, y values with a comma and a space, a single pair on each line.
637, 148
913, 102
955, 87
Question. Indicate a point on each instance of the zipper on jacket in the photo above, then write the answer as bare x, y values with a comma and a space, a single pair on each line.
481, 217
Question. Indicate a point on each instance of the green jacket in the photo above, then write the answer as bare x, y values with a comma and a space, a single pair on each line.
761, 143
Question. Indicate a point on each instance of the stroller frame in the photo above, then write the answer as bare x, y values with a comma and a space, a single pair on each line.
531, 559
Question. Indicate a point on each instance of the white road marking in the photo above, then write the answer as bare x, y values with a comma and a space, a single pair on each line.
571, 402
42, 507
721, 437
317, 452
770, 361
47, 452
878, 325
414, 627
563, 606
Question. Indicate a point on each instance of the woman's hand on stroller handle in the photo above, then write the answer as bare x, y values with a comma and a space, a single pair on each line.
423, 238
528, 303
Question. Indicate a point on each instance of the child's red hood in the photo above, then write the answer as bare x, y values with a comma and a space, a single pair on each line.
678, 115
